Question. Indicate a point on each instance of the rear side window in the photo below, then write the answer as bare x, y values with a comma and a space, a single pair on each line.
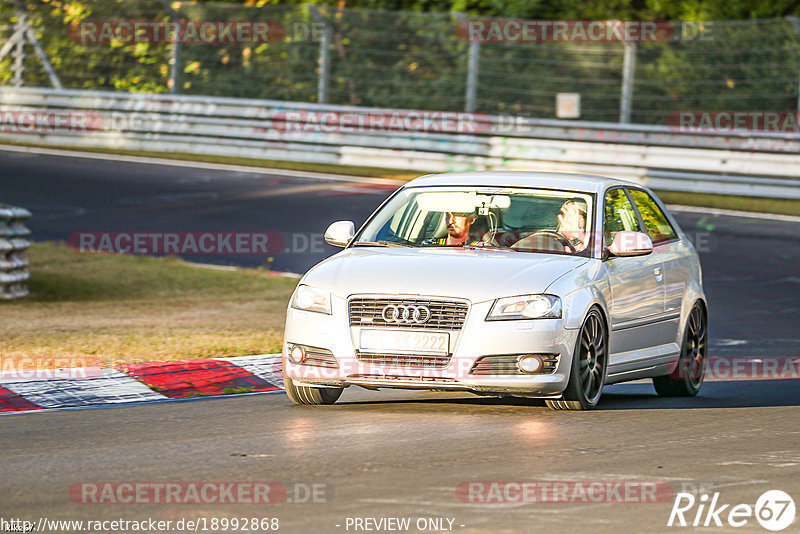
657, 224
618, 215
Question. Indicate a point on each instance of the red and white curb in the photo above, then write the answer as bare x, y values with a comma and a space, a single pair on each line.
140, 382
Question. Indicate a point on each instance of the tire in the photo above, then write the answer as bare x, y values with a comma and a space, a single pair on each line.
687, 378
311, 395
589, 363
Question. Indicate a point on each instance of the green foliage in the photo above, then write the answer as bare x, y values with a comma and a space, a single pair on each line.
111, 66
415, 59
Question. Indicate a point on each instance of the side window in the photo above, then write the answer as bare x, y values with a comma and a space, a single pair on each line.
657, 224
618, 215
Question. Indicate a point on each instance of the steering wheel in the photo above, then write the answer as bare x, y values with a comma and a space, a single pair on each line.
551, 234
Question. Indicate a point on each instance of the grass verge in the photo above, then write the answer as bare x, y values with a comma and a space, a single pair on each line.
113, 309
782, 206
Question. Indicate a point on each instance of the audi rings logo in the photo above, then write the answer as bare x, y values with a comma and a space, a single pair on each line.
400, 313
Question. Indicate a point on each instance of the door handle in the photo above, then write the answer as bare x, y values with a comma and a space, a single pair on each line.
657, 272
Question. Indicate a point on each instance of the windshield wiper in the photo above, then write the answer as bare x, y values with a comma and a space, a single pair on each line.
380, 243
486, 247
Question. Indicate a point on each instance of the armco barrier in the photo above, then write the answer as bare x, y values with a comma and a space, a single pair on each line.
13, 244
754, 164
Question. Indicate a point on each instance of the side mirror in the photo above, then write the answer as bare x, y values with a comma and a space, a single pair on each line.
627, 243
340, 233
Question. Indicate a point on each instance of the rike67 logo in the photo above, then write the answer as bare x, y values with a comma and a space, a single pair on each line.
774, 510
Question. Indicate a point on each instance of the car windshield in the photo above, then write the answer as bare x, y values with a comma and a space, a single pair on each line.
519, 219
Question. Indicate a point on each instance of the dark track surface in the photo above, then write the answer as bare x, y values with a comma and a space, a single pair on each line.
402, 453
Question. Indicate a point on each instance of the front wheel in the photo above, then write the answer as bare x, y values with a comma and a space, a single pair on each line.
588, 371
686, 379
311, 395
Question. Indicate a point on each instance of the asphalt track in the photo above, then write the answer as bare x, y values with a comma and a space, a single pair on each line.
403, 454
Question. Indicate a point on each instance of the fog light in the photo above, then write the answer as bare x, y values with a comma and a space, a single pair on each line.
296, 354
530, 364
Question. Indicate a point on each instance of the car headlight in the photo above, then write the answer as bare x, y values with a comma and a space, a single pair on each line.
311, 299
525, 307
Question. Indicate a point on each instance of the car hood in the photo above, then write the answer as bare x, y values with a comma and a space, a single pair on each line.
477, 275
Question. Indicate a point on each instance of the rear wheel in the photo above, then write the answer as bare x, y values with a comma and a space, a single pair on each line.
588, 371
311, 395
686, 379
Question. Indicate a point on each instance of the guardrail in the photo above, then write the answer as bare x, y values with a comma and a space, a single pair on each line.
754, 164
13, 263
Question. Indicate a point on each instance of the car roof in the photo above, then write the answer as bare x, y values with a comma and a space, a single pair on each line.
547, 180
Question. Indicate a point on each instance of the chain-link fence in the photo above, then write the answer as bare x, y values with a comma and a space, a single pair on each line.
407, 60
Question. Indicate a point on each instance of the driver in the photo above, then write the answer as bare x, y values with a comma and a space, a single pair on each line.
572, 223
458, 225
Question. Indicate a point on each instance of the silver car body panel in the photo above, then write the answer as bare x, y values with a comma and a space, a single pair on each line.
645, 301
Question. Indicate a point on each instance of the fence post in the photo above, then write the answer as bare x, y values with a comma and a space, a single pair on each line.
324, 56
19, 52
174, 68
11, 43
16, 44
628, 68
472, 67
175, 52
472, 75
796, 25
48, 67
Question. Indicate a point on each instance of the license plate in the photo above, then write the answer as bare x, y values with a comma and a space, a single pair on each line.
399, 341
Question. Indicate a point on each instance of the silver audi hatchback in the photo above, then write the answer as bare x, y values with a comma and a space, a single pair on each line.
544, 285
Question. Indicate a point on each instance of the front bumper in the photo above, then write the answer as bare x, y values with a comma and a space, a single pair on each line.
477, 339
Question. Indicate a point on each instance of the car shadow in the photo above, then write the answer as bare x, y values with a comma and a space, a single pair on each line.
716, 394
460, 398
629, 396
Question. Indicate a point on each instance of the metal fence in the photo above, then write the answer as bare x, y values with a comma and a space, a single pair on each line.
409, 60
13, 244
759, 165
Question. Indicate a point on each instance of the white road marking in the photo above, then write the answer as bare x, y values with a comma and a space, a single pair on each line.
730, 342
168, 198
55, 211
214, 267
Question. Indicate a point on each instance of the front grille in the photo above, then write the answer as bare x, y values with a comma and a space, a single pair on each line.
390, 378
506, 364
444, 314
404, 360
